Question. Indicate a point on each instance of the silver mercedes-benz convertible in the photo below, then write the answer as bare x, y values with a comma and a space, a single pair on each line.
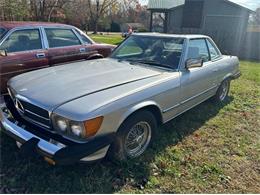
86, 110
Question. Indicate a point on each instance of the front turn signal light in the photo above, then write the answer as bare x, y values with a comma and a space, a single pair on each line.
92, 126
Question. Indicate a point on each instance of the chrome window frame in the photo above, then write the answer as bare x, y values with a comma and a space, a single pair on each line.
10, 32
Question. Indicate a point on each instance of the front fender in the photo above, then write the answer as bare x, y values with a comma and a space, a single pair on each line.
136, 107
227, 76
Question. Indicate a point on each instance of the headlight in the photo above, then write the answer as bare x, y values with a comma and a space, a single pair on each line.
62, 125
83, 129
77, 129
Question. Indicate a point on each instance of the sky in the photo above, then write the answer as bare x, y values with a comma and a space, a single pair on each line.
249, 3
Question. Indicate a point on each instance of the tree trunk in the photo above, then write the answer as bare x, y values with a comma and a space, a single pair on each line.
52, 9
95, 26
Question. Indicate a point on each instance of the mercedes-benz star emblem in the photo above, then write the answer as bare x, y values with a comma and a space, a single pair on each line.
19, 106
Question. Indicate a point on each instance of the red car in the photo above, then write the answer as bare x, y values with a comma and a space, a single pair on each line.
27, 46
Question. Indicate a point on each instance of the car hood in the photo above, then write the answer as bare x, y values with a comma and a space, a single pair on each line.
55, 86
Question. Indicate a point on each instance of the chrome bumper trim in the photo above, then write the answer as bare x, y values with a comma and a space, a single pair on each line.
21, 135
57, 152
236, 76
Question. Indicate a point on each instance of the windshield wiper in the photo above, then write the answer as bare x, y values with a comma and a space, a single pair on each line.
149, 62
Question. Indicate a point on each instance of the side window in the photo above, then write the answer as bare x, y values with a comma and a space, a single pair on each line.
198, 50
22, 40
212, 50
61, 37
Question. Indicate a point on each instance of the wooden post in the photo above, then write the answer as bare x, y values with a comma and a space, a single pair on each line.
151, 21
165, 25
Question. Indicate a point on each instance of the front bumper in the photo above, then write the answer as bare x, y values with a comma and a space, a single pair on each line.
236, 76
55, 152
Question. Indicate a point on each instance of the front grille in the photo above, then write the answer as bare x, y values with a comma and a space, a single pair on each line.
30, 112
33, 113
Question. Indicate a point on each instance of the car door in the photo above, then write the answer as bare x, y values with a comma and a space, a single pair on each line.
24, 53
197, 84
64, 45
217, 64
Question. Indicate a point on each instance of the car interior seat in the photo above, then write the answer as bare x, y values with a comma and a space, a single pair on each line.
157, 50
23, 43
173, 59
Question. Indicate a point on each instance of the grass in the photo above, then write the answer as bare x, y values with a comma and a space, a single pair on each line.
113, 39
210, 149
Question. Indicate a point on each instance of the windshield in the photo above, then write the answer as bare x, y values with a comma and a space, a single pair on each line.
154, 51
2, 32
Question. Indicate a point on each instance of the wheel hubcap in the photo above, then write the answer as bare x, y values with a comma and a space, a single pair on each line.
224, 91
138, 139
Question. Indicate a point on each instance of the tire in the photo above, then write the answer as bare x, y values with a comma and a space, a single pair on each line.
141, 123
222, 92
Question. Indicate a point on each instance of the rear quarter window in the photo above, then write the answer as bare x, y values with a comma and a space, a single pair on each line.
84, 37
214, 54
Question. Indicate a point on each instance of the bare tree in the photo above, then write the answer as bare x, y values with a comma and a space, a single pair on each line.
43, 9
85, 14
97, 9
14, 10
77, 13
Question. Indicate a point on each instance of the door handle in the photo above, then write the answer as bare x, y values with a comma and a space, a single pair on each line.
81, 50
215, 70
40, 55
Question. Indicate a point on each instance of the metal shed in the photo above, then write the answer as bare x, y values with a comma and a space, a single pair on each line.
224, 20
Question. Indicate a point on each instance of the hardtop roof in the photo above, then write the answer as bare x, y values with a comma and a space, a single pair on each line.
185, 36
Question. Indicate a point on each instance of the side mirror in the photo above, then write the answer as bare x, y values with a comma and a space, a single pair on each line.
194, 63
3, 53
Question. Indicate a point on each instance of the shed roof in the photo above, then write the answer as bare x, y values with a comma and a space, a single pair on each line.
244, 5
169, 4
164, 4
